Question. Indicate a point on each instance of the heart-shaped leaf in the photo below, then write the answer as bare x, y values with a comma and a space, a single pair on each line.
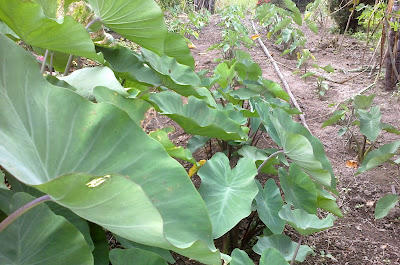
228, 194
86, 79
136, 108
284, 245
176, 47
385, 204
178, 77
271, 256
127, 64
303, 222
299, 189
28, 21
269, 203
196, 117
23, 241
301, 147
240, 257
98, 139
370, 122
141, 21
379, 156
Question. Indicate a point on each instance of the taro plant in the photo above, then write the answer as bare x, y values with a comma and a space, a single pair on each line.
235, 35
283, 24
361, 123
303, 60
78, 163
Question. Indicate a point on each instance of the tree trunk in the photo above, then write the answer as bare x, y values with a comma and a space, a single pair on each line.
393, 53
206, 4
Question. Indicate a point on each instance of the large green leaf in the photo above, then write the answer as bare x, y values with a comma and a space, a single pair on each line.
370, 122
271, 256
135, 256
302, 147
136, 108
178, 77
196, 117
327, 202
127, 65
24, 240
227, 193
176, 47
141, 21
299, 189
337, 115
385, 204
97, 139
27, 20
240, 257
295, 11
284, 245
269, 203
303, 222
86, 79
379, 156
165, 254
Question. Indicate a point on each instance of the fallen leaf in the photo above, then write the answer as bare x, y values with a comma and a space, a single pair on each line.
254, 37
196, 168
202, 53
352, 164
370, 203
192, 46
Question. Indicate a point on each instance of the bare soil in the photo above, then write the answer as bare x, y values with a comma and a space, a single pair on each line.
357, 238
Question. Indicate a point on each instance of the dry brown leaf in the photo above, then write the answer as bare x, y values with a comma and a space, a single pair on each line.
254, 37
351, 164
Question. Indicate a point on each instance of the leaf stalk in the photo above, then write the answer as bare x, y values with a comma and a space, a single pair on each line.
12, 217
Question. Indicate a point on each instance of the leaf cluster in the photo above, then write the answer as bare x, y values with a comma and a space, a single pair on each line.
80, 141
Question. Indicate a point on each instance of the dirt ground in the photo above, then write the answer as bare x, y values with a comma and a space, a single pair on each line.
357, 238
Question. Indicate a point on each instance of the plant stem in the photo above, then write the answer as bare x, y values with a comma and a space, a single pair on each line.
269, 158
12, 217
44, 61
51, 63
297, 250
71, 57
227, 240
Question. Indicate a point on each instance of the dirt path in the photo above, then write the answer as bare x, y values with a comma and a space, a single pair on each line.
357, 238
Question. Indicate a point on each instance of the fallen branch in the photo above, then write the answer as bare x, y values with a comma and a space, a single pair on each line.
285, 84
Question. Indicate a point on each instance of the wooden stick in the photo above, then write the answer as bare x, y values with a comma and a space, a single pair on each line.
285, 84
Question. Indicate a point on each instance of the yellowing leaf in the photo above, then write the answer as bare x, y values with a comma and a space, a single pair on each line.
254, 37
192, 46
352, 164
196, 168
